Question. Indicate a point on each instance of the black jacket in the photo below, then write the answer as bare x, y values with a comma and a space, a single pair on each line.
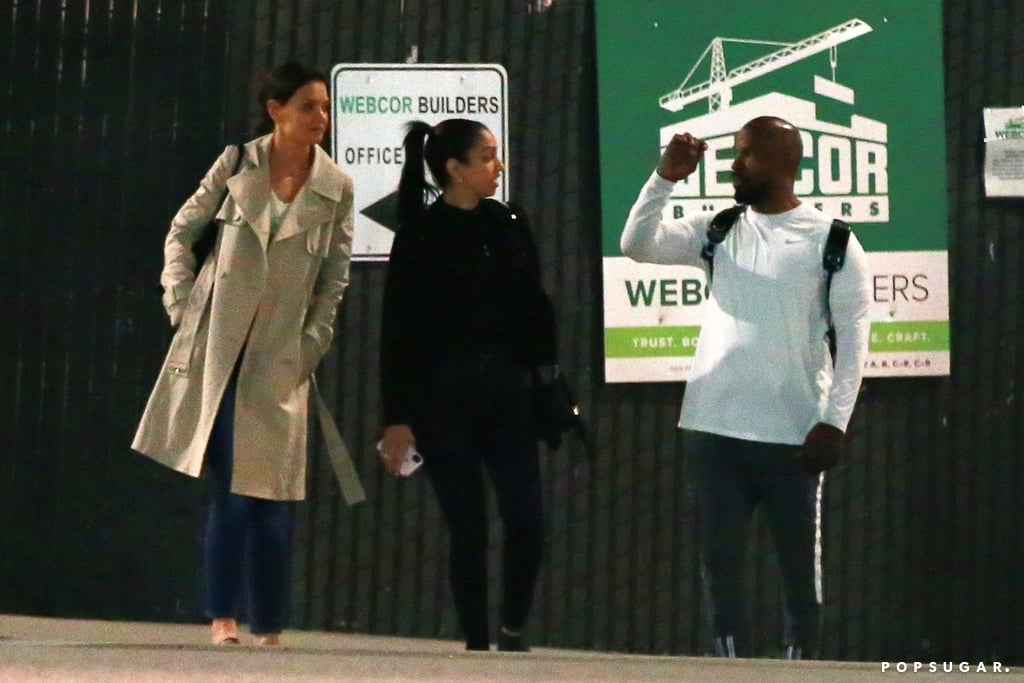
461, 280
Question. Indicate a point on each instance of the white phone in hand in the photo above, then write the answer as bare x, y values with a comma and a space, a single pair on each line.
410, 463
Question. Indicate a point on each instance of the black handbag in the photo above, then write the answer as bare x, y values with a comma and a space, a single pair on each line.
556, 410
204, 244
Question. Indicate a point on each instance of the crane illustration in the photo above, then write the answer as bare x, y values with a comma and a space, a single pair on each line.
718, 88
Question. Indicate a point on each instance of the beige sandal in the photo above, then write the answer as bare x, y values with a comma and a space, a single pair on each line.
224, 632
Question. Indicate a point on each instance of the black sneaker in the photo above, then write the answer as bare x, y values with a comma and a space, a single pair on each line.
511, 642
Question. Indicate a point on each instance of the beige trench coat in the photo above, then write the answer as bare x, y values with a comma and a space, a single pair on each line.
276, 298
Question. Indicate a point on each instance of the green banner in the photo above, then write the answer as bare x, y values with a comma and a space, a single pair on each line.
646, 342
868, 101
919, 335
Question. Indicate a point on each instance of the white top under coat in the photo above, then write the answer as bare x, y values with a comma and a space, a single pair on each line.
278, 209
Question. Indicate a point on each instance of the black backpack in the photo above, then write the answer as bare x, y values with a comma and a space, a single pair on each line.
831, 260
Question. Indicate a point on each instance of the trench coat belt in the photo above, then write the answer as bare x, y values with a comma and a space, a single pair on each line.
337, 451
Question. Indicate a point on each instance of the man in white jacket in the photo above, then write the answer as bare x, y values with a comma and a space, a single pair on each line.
766, 407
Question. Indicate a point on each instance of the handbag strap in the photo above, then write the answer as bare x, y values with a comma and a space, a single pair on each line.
212, 234
234, 172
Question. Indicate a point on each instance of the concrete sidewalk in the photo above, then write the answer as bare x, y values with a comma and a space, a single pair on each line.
39, 649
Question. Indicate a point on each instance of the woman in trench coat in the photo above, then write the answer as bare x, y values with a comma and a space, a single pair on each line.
251, 328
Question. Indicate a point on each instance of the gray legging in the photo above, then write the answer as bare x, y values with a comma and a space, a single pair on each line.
731, 477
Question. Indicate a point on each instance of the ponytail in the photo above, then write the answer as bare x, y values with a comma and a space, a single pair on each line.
412, 188
433, 145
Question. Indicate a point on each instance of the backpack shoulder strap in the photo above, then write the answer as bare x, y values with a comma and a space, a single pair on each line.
835, 246
720, 226
834, 256
832, 259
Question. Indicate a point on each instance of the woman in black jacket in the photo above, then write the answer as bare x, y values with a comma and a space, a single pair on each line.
466, 327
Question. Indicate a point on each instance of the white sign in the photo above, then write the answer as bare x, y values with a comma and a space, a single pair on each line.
1004, 152
372, 103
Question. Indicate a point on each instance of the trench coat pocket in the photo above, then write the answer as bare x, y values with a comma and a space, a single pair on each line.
318, 240
192, 309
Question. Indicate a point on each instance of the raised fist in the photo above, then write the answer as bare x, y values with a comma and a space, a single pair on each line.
681, 157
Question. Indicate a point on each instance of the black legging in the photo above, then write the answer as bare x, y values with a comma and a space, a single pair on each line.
476, 416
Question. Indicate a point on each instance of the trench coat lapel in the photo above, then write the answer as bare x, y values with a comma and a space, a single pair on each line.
250, 189
313, 206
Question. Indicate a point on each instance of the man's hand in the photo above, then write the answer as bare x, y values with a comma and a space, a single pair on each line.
681, 157
822, 448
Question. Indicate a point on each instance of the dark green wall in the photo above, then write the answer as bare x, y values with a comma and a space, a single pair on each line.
108, 121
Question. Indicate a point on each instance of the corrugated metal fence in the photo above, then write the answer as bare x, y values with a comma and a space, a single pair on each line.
110, 116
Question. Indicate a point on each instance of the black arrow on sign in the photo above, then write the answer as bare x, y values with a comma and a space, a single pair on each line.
384, 211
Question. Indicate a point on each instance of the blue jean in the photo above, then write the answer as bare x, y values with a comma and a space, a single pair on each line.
248, 540
731, 477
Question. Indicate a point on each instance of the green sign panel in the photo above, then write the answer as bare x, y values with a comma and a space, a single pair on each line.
869, 104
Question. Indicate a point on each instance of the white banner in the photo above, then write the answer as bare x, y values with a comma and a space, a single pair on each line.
653, 313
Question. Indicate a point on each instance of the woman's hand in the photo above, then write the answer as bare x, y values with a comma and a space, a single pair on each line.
175, 312
309, 356
392, 447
